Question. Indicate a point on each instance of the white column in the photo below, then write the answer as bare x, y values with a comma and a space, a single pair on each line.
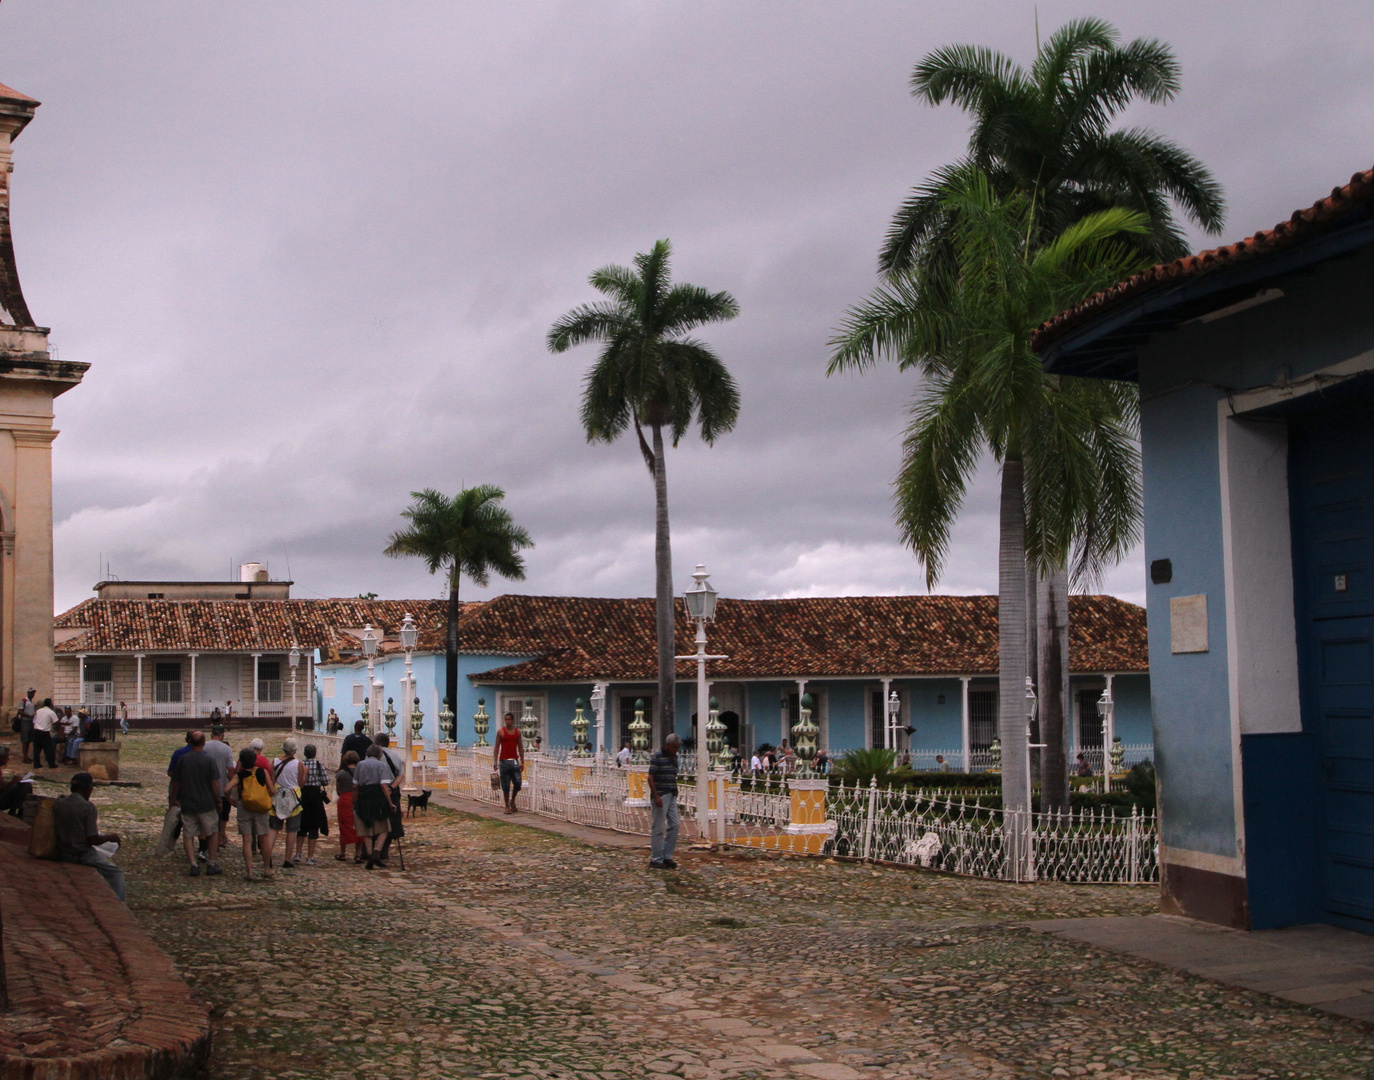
256, 657
887, 724
81, 679
194, 711
605, 691
138, 687
310, 688
1108, 731
801, 690
964, 724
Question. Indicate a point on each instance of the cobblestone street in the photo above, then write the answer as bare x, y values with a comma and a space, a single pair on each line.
507, 951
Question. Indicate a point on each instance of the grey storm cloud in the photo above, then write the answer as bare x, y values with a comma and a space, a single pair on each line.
312, 250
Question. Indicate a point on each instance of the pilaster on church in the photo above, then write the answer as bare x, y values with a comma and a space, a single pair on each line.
30, 380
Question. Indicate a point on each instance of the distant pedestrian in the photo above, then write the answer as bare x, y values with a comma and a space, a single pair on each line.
1083, 768
332, 723
171, 821
197, 786
372, 802
822, 762
756, 762
622, 759
358, 742
508, 759
79, 838
251, 792
44, 721
314, 819
70, 734
941, 765
344, 789
27, 708
663, 793
123, 719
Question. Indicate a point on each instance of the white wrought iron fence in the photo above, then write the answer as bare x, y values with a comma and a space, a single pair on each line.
942, 830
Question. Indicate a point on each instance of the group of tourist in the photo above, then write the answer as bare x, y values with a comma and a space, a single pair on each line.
285, 797
47, 732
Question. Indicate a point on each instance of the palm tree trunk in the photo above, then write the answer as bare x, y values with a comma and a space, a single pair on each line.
451, 645
663, 596
1011, 663
1052, 678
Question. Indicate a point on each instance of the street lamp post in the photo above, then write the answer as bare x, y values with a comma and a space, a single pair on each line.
599, 709
701, 609
409, 634
1023, 843
294, 659
894, 713
370, 652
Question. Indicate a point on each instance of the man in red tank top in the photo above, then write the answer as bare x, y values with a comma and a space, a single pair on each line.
507, 757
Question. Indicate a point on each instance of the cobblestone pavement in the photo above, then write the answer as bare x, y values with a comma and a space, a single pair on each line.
508, 952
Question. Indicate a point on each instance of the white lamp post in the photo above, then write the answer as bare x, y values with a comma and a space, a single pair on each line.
1030, 719
1112, 751
701, 609
894, 713
409, 634
294, 659
370, 652
599, 709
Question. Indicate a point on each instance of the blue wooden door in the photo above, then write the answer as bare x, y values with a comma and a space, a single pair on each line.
1332, 485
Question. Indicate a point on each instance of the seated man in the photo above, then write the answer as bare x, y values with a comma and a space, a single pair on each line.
14, 786
74, 821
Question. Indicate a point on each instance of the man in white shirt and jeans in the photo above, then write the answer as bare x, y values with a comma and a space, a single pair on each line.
44, 720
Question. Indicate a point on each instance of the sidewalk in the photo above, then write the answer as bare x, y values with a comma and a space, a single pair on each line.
1321, 966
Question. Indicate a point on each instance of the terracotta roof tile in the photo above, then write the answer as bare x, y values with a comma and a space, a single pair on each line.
1302, 224
246, 625
578, 639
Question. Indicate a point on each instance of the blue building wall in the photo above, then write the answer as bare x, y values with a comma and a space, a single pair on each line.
938, 724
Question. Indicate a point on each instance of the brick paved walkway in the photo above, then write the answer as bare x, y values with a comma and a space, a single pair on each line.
506, 951
91, 996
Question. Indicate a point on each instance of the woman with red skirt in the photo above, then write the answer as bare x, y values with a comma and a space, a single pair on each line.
343, 786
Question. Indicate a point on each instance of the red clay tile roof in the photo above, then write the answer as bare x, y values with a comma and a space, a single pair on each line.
126, 626
1303, 224
579, 640
14, 95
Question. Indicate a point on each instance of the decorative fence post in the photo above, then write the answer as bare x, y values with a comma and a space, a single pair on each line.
639, 761
481, 723
1133, 844
868, 817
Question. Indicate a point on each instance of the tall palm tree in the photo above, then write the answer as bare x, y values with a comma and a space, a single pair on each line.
1048, 131
650, 373
1069, 464
470, 533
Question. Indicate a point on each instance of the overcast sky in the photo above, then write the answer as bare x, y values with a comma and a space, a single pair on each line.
311, 252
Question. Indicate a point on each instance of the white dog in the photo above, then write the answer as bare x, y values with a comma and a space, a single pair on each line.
924, 851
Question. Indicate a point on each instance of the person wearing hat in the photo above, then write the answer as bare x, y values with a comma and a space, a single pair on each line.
79, 837
263, 763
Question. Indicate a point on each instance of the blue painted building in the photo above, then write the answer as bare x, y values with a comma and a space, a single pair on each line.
937, 653
1256, 371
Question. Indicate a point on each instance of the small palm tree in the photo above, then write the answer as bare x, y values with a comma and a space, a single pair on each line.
650, 373
1070, 488
1048, 131
470, 534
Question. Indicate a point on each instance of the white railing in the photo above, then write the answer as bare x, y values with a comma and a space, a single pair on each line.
940, 830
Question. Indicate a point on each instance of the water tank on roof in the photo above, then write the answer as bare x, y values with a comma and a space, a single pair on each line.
252, 571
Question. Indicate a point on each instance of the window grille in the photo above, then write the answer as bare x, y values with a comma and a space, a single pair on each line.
167, 682
982, 718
